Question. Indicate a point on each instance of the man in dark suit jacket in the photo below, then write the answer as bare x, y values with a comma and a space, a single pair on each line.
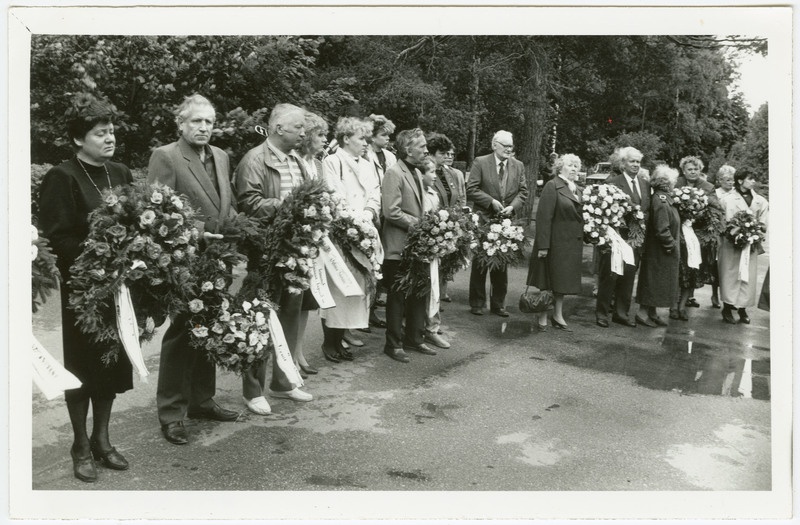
620, 287
186, 379
402, 197
496, 186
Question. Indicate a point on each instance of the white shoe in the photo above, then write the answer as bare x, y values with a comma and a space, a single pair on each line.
258, 405
295, 395
436, 339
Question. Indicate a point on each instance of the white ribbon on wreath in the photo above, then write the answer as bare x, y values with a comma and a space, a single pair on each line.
621, 252
693, 255
433, 298
283, 357
49, 375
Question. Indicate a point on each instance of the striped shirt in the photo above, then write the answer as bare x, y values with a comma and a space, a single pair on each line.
288, 167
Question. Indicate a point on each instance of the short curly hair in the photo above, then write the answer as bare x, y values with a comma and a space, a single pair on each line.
438, 142
663, 177
313, 124
725, 169
349, 126
405, 139
685, 161
559, 163
85, 113
380, 124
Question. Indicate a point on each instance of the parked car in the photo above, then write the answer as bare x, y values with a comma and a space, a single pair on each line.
599, 173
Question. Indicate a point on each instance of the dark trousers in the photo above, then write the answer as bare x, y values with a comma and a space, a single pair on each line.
255, 378
618, 287
186, 378
399, 307
477, 287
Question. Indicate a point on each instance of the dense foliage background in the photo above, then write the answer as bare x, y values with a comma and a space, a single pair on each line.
668, 96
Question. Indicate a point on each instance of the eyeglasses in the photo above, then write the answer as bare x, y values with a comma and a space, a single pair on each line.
505, 146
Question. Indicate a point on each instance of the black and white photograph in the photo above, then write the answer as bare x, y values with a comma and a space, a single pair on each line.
400, 262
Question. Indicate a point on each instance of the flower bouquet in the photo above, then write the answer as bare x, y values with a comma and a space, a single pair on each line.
234, 336
434, 237
606, 206
709, 225
44, 273
459, 259
358, 241
499, 244
744, 229
293, 238
140, 238
690, 202
635, 225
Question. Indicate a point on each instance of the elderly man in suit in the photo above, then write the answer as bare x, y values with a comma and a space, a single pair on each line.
191, 166
497, 186
265, 176
611, 285
402, 204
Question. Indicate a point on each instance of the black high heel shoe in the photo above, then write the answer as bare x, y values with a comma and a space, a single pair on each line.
110, 459
743, 317
308, 369
560, 326
83, 467
331, 354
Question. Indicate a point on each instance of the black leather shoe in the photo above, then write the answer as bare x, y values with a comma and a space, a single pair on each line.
175, 433
422, 349
502, 312
560, 326
109, 459
715, 302
623, 321
683, 315
743, 317
727, 316
331, 354
645, 321
308, 369
352, 340
447, 299
673, 314
345, 355
215, 413
83, 467
692, 303
377, 322
659, 321
366, 330
476, 311
602, 323
398, 354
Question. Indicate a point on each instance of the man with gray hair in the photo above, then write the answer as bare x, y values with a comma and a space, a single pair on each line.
265, 176
191, 166
497, 186
611, 285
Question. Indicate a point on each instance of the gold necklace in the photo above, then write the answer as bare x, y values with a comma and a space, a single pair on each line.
108, 178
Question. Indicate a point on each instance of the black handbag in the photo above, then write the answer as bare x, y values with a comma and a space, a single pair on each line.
535, 302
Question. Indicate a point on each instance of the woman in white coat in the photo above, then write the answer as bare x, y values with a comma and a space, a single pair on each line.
735, 292
353, 178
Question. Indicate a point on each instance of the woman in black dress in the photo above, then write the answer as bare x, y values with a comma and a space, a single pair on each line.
69, 192
558, 248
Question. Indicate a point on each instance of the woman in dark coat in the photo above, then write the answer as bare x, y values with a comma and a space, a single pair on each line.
69, 192
658, 274
558, 248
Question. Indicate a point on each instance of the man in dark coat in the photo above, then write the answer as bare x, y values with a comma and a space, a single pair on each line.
186, 379
496, 186
611, 285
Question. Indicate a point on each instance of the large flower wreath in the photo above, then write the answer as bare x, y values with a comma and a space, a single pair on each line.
292, 239
607, 206
499, 244
358, 240
743, 230
44, 273
433, 237
466, 242
142, 236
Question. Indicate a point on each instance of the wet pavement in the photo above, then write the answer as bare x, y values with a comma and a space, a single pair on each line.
682, 407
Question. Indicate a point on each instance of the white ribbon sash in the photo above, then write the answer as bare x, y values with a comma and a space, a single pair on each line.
129, 331
744, 264
283, 357
693, 257
318, 284
338, 270
49, 375
621, 252
433, 299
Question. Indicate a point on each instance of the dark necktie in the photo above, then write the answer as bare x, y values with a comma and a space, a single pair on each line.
637, 197
501, 173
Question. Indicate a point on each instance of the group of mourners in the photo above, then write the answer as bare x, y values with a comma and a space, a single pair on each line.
395, 189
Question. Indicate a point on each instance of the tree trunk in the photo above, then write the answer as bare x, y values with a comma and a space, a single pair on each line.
474, 111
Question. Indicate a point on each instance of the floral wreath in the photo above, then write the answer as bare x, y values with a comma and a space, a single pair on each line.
44, 273
499, 244
358, 241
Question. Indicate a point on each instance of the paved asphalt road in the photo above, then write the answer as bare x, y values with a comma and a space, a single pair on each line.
506, 408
